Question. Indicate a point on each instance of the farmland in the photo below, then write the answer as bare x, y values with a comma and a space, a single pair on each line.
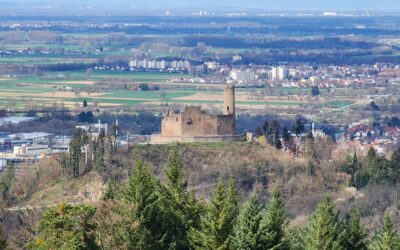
71, 88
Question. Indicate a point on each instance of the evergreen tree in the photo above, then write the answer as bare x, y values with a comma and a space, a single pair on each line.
216, 227
116, 228
247, 229
273, 224
174, 172
356, 236
6, 180
277, 140
79, 139
295, 238
113, 192
299, 127
315, 91
85, 104
387, 238
325, 231
271, 130
66, 227
395, 164
182, 206
99, 152
143, 192
351, 165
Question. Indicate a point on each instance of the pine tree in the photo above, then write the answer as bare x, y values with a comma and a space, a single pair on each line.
273, 224
99, 157
216, 229
388, 238
356, 236
66, 227
143, 191
79, 139
295, 238
182, 207
352, 165
113, 192
277, 140
174, 172
247, 228
325, 231
299, 127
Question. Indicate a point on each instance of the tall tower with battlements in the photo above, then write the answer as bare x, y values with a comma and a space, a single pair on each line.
229, 100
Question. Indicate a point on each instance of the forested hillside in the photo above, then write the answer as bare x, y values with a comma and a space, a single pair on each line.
203, 196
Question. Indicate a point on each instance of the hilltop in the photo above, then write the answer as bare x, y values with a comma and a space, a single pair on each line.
256, 168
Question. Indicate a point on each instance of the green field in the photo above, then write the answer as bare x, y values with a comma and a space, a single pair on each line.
47, 90
337, 104
126, 75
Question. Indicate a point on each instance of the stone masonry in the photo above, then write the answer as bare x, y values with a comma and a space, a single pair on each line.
196, 125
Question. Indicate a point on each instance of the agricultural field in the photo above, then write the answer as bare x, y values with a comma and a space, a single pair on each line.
71, 88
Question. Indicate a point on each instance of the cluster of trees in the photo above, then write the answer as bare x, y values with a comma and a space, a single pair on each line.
65, 66
150, 213
89, 151
272, 133
393, 122
86, 116
374, 168
147, 87
5, 196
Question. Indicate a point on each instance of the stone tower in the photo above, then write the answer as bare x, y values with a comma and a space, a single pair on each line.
229, 100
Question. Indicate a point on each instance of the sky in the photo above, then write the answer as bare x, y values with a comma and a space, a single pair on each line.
265, 5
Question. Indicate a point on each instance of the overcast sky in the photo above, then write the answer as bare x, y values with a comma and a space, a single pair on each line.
246, 4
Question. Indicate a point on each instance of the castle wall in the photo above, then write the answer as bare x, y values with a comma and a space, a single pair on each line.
193, 124
226, 125
193, 121
160, 139
171, 125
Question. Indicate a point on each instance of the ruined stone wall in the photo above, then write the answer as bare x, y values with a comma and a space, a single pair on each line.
171, 125
159, 139
191, 122
226, 125
197, 122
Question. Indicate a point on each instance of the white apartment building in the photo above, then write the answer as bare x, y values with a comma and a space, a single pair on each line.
279, 73
242, 75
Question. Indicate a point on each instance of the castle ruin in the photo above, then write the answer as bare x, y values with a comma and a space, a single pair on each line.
196, 125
